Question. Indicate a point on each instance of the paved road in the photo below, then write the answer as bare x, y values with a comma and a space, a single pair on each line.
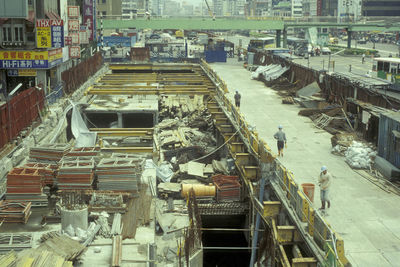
364, 215
384, 49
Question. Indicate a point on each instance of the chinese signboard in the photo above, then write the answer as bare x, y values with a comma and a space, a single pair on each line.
49, 33
74, 51
83, 35
21, 72
74, 37
88, 17
30, 59
73, 25
68, 40
73, 11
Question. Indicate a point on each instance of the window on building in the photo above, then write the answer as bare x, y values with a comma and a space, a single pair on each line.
103, 1
18, 33
7, 34
104, 13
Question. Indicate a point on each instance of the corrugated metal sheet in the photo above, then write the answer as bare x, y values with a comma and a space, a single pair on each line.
387, 140
19, 113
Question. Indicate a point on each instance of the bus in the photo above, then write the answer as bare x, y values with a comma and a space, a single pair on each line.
261, 43
387, 68
296, 43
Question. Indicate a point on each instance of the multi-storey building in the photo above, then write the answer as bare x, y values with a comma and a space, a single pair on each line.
379, 8
109, 8
297, 8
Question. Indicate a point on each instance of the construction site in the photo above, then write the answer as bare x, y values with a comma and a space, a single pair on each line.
153, 164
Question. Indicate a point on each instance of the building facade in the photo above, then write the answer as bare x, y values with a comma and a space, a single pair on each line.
380, 8
109, 8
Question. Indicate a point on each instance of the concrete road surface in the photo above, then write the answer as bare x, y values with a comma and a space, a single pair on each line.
363, 214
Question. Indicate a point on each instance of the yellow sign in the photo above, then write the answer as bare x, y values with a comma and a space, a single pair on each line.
24, 55
55, 54
43, 37
27, 72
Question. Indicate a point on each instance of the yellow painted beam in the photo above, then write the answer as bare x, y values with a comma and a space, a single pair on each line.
251, 172
283, 257
237, 147
288, 234
304, 262
340, 250
124, 133
271, 208
128, 149
242, 159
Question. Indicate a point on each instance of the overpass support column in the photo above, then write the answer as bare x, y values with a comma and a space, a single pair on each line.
349, 39
278, 38
284, 39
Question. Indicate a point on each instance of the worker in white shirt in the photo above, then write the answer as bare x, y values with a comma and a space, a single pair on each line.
324, 183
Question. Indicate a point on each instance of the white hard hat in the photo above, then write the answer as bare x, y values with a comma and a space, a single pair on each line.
280, 127
323, 168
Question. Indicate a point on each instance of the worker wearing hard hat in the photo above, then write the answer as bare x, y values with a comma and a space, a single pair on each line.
281, 140
324, 183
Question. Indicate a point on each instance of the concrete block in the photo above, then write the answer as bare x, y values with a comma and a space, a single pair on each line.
19, 155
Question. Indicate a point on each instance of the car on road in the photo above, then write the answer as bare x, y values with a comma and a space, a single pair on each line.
362, 41
325, 51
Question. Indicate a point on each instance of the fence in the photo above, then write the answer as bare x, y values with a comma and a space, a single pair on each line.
324, 237
56, 94
76, 76
19, 112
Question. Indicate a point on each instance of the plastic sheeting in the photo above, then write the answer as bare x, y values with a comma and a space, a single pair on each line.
163, 172
83, 137
269, 72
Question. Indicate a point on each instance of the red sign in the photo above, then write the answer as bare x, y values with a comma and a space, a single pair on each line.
67, 40
49, 22
319, 7
73, 11
88, 9
74, 51
73, 25
75, 37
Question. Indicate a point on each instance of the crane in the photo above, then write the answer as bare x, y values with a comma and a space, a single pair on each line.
209, 10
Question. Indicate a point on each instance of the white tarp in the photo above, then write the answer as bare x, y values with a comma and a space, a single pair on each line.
83, 137
360, 156
269, 72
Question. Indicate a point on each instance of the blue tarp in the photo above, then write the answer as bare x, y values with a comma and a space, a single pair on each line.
122, 41
215, 56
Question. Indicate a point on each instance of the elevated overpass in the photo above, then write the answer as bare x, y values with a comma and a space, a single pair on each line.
266, 24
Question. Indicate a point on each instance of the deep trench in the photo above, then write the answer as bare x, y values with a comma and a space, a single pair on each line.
229, 239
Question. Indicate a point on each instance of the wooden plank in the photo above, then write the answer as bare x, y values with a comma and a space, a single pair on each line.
116, 257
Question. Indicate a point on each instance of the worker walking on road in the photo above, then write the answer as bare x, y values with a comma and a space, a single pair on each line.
237, 99
324, 183
363, 58
281, 140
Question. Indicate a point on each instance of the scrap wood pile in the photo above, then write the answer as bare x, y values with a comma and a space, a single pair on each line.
181, 106
56, 250
14, 211
330, 118
49, 153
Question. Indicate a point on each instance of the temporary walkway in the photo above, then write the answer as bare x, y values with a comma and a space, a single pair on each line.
363, 214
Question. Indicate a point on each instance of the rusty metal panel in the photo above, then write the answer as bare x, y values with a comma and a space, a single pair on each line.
140, 54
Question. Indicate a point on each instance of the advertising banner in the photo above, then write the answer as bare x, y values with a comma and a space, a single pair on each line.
30, 59
88, 17
74, 51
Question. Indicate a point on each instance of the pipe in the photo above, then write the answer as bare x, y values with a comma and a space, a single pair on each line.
258, 219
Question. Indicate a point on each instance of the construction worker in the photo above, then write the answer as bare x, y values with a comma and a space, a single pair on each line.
237, 99
363, 58
324, 183
281, 140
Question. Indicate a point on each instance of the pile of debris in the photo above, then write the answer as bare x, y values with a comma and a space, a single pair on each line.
181, 106
360, 156
268, 73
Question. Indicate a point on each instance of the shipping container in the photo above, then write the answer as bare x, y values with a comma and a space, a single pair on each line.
389, 137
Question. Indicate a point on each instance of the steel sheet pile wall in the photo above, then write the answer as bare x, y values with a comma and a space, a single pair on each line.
19, 113
289, 193
335, 89
76, 76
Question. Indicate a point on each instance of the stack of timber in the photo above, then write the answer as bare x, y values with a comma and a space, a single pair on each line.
117, 174
25, 184
83, 151
76, 174
14, 211
15, 242
50, 153
48, 171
